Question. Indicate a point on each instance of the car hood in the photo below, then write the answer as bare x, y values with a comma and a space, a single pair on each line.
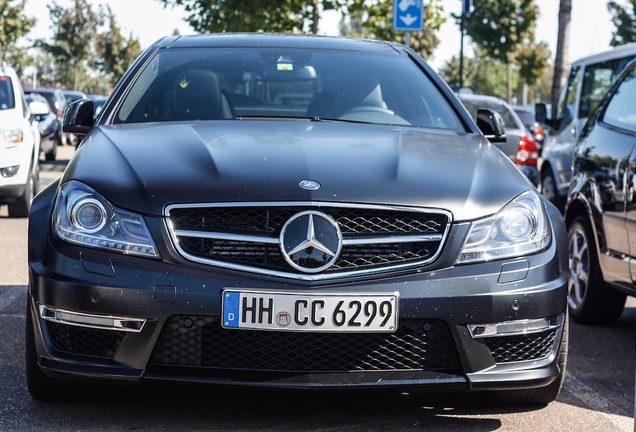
145, 167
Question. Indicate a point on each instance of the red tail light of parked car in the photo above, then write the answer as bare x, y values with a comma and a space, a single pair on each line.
528, 153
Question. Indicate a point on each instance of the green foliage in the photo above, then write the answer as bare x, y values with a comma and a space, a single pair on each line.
87, 51
72, 47
504, 31
483, 74
374, 20
215, 16
486, 75
13, 26
500, 26
624, 18
114, 52
368, 19
532, 60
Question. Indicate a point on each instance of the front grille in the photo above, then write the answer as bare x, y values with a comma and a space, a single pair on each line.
200, 341
84, 341
509, 349
247, 237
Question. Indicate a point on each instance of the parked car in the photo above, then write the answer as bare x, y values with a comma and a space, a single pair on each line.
527, 117
57, 103
600, 208
589, 79
72, 95
19, 146
373, 238
98, 104
520, 145
47, 125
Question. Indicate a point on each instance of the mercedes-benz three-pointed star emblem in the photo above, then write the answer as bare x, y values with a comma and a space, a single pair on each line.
311, 241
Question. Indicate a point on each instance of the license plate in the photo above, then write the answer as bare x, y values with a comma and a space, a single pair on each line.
310, 312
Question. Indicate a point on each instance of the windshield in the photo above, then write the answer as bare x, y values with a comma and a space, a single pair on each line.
239, 83
7, 99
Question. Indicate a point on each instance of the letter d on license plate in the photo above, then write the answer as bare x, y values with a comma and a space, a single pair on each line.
294, 311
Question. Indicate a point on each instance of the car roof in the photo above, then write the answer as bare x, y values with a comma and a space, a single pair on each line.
477, 97
618, 52
42, 90
276, 40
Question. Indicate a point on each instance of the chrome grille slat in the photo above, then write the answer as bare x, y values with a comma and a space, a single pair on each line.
246, 236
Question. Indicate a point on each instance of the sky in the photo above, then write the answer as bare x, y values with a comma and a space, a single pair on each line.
148, 20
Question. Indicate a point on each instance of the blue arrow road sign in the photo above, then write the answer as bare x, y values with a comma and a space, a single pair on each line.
408, 15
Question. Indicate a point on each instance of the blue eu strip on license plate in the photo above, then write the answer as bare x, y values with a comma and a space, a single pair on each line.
293, 311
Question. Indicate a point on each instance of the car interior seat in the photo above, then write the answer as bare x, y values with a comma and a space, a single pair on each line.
198, 96
364, 95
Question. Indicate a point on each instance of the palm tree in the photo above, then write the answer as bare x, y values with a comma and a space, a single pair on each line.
561, 64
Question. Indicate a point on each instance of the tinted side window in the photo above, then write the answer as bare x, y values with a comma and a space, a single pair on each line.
621, 109
567, 101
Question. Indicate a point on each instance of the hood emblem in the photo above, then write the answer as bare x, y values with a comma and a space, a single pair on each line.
310, 185
311, 241
183, 82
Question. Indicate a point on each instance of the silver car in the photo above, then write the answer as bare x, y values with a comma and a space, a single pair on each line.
520, 145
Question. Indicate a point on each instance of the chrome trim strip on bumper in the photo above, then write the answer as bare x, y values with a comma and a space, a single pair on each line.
102, 322
515, 328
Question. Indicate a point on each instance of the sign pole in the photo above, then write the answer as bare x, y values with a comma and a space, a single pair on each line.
461, 51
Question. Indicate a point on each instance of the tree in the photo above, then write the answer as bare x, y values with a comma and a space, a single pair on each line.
13, 26
624, 18
483, 74
561, 64
74, 31
85, 41
499, 27
374, 20
371, 19
253, 16
115, 53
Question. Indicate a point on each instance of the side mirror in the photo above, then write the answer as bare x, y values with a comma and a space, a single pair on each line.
39, 108
491, 125
78, 117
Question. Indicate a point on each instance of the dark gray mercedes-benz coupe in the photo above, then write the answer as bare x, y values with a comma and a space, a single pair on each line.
293, 211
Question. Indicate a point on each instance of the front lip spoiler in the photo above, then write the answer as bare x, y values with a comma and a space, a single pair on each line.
308, 380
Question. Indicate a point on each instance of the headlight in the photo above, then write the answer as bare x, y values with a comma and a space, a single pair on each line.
84, 217
520, 228
11, 137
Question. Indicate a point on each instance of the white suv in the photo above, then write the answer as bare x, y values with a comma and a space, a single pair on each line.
19, 146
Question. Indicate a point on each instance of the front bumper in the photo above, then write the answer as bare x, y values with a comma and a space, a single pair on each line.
171, 310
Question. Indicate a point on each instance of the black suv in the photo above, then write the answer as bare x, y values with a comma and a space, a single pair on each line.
601, 208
